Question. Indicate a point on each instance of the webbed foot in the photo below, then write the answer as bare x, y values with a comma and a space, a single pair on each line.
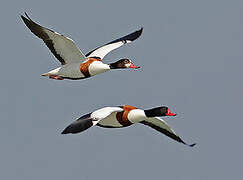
56, 77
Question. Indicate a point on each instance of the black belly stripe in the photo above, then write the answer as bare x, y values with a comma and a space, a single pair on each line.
106, 126
122, 118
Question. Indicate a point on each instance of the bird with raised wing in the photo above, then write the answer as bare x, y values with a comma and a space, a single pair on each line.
74, 64
123, 116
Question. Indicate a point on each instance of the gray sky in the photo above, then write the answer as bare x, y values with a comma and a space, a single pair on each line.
191, 57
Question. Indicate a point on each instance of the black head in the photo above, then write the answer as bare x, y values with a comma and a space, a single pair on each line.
123, 63
159, 111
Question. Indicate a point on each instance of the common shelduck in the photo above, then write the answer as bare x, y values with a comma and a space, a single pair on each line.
123, 116
75, 65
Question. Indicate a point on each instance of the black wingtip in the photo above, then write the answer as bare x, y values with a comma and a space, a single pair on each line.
65, 131
27, 15
191, 145
79, 125
71, 129
25, 19
139, 32
133, 36
22, 17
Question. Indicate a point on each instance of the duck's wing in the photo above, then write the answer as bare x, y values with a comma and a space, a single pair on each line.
102, 51
90, 120
161, 126
63, 48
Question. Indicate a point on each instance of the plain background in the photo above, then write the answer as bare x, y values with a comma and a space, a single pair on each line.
191, 58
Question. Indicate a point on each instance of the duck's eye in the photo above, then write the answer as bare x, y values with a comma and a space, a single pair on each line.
126, 61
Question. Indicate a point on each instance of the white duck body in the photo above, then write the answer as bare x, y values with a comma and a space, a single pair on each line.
77, 71
71, 70
134, 116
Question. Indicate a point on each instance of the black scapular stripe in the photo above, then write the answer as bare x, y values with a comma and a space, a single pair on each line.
40, 33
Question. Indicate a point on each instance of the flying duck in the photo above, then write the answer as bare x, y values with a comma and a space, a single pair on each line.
123, 116
76, 65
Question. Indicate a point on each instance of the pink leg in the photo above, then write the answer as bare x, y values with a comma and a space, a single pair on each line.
56, 77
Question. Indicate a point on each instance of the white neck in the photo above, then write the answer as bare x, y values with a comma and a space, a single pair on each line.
98, 67
136, 115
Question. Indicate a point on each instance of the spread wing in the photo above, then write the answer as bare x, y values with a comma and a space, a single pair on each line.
161, 126
102, 51
90, 120
63, 48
